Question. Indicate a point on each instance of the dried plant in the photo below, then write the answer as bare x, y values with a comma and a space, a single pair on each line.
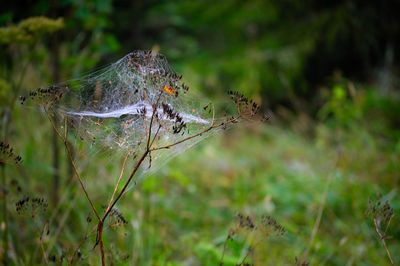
382, 214
137, 106
258, 229
7, 155
32, 207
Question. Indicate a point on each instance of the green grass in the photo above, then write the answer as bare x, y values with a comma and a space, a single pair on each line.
181, 214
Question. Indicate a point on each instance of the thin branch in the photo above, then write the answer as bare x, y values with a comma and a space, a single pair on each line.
382, 237
40, 232
387, 225
198, 134
155, 135
119, 179
151, 121
72, 163
126, 184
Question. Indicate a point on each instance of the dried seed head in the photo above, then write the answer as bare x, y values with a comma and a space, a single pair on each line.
31, 206
7, 154
270, 222
382, 212
117, 218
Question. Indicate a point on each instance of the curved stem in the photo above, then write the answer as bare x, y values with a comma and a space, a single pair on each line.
119, 179
198, 134
73, 164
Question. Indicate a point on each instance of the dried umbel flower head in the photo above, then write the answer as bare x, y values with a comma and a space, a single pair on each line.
116, 108
117, 219
380, 211
31, 206
248, 226
382, 215
266, 224
245, 221
270, 222
7, 154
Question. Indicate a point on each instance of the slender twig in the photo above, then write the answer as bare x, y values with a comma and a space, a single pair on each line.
126, 184
151, 120
387, 225
119, 179
198, 134
101, 221
155, 135
72, 163
382, 237
92, 232
40, 232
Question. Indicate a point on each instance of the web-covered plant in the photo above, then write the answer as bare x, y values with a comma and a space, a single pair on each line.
138, 106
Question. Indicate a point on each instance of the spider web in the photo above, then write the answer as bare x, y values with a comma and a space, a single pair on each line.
111, 109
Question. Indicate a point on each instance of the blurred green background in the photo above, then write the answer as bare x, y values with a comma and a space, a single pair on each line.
327, 71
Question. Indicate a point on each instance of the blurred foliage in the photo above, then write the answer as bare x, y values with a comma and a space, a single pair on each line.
329, 72
29, 30
275, 49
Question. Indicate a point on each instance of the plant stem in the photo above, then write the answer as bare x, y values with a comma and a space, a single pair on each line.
101, 222
72, 162
119, 180
198, 134
142, 158
382, 237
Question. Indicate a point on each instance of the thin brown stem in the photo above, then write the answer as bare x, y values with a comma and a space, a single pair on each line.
151, 120
198, 134
119, 179
382, 237
73, 164
387, 225
155, 135
101, 221
127, 183
40, 232
93, 231
138, 164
